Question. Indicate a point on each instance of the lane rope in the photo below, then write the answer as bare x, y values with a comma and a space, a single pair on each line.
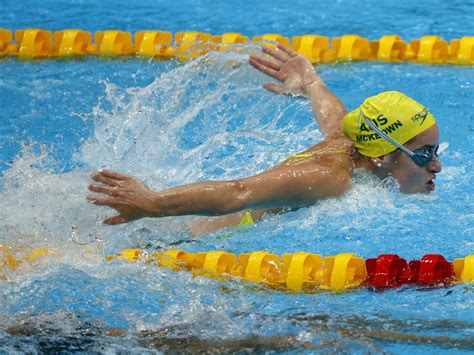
34, 43
297, 272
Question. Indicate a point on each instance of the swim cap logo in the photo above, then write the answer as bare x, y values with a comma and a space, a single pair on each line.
420, 116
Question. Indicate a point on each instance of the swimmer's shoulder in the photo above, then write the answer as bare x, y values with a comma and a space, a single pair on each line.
334, 150
329, 172
336, 141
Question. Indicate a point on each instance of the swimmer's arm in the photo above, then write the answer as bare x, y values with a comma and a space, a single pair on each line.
279, 187
327, 107
291, 187
298, 77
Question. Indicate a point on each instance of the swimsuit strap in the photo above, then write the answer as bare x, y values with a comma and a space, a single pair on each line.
301, 155
310, 154
246, 220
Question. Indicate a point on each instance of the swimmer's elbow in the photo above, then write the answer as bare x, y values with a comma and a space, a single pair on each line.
239, 198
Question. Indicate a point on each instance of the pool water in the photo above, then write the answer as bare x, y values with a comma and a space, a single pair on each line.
171, 123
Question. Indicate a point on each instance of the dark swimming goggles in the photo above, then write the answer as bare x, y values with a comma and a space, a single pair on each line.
420, 157
423, 156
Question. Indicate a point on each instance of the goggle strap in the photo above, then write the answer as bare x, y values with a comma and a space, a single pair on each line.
374, 127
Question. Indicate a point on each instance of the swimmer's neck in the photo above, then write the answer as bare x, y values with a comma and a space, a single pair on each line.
362, 162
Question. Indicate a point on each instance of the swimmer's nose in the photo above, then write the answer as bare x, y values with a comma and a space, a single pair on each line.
434, 166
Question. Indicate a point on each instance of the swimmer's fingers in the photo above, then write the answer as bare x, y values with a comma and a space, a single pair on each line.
275, 53
113, 175
264, 61
116, 203
118, 219
274, 88
256, 63
103, 189
109, 177
287, 50
105, 180
103, 200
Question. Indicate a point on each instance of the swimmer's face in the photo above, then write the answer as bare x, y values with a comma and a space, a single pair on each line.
411, 177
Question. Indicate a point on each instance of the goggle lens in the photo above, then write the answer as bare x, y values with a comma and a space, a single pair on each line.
423, 156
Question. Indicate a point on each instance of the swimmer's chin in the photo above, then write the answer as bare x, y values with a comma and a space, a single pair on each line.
427, 189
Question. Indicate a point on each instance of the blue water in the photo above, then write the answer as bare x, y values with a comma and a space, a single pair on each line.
171, 123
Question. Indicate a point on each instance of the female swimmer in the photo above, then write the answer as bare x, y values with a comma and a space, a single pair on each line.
390, 134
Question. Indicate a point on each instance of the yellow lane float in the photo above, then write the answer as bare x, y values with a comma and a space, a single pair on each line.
71, 42
461, 51
34, 43
351, 47
225, 41
6, 38
273, 37
192, 44
9, 261
303, 270
152, 43
114, 43
313, 47
464, 268
390, 48
432, 49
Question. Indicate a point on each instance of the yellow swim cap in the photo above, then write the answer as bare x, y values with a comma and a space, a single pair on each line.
395, 114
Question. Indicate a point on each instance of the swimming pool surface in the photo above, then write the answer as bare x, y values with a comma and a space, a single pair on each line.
171, 123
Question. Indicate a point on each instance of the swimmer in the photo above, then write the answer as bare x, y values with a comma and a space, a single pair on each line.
389, 135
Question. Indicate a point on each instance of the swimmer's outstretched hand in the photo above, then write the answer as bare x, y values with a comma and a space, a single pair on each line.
292, 70
128, 195
297, 77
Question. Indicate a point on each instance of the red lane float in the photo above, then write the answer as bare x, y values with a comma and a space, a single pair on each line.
389, 270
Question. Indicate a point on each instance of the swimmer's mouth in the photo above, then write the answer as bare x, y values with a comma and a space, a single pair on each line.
431, 185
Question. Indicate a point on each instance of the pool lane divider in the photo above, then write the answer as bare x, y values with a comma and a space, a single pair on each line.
300, 271
308, 272
34, 43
